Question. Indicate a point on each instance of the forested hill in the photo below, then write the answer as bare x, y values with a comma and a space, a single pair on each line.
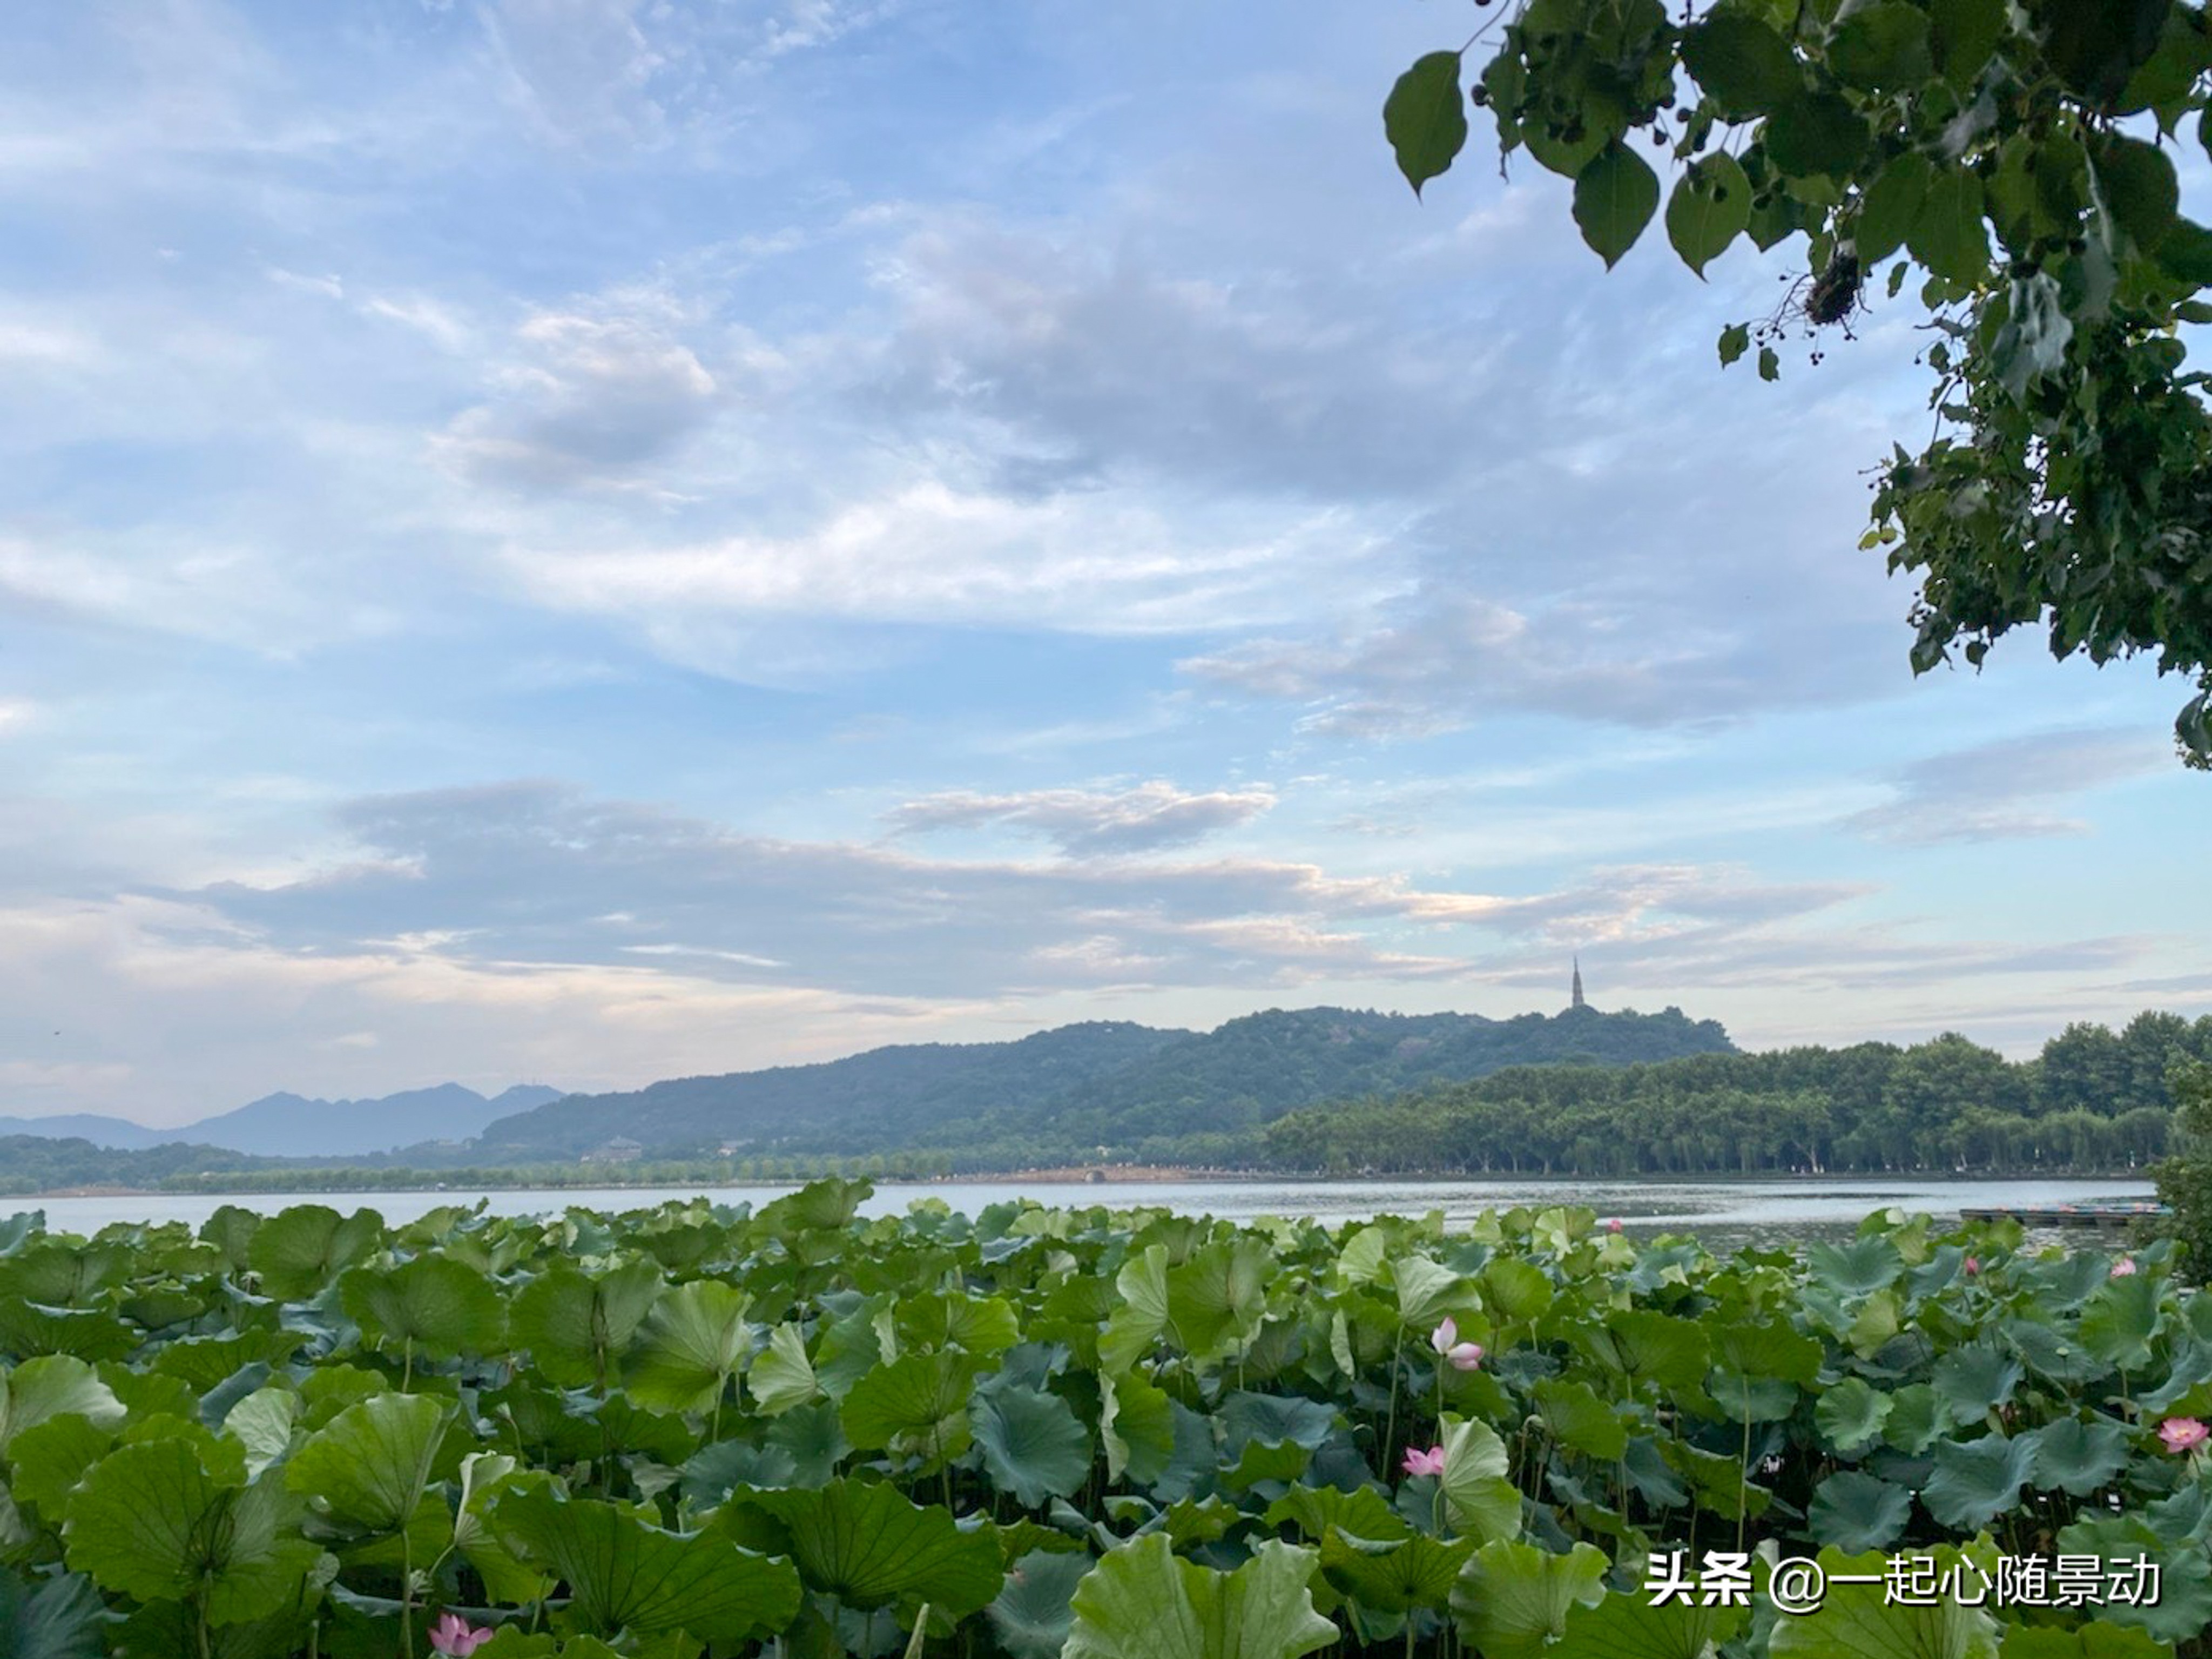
1067, 1092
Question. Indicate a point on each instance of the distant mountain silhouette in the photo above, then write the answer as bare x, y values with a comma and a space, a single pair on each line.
292, 1126
1078, 1086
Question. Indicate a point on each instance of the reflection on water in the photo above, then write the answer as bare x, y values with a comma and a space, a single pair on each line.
1723, 1214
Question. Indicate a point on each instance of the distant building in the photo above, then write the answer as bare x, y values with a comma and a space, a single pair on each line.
1578, 1002
621, 1150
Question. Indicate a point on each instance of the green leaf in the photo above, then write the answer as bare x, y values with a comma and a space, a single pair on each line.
1855, 1511
61, 1618
1425, 118
2086, 1642
868, 1546
1137, 1426
1513, 1599
1965, 33
1031, 1443
2096, 49
1742, 63
1882, 46
1477, 1498
486, 1477
1626, 1626
1769, 364
575, 1326
2140, 188
50, 1386
625, 1574
1735, 340
1580, 1420
1615, 196
150, 1522
1891, 207
2183, 1607
299, 1251
441, 1307
1709, 209
1141, 1318
1948, 235
1034, 1613
369, 1465
1974, 1381
1216, 1299
917, 1405
2079, 1457
1394, 1575
1976, 1481
1851, 1415
1140, 1602
2118, 1321
1852, 1623
262, 1423
782, 1376
1819, 133
690, 1346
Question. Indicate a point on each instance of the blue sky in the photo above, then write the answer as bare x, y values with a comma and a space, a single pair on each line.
589, 540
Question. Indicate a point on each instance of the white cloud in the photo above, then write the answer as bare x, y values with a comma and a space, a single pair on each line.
2004, 790
1081, 822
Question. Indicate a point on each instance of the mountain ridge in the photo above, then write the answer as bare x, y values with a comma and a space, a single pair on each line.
287, 1125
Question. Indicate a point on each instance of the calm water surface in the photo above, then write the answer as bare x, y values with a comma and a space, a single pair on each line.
1722, 1213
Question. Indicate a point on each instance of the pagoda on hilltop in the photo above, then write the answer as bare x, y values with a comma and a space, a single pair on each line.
1578, 1004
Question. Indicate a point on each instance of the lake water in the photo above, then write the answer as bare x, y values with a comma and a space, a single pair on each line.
1722, 1213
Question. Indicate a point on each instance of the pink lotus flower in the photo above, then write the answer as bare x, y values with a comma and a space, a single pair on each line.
2124, 1267
1974, 1264
2183, 1434
454, 1634
1430, 1461
1612, 1224
1464, 1356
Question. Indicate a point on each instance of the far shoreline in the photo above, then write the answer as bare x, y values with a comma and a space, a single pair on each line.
1109, 1174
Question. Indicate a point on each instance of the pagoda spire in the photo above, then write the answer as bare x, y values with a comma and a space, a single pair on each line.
1578, 1001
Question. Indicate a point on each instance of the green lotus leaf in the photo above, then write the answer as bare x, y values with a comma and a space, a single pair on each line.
487, 1477
1914, 1419
1856, 1512
1973, 1381
204, 1364
1031, 1443
1141, 1318
151, 1523
2119, 1320
1217, 1298
1580, 1420
1629, 1627
1362, 1512
53, 1385
48, 1459
690, 1346
1140, 1602
985, 1326
2079, 1457
2085, 1642
1850, 1414
369, 1467
59, 1618
866, 1545
1858, 1268
1512, 1599
1035, 1612
2183, 1608
432, 1306
262, 1423
299, 1251
2058, 1356
1976, 1481
1852, 1621
1644, 1347
819, 1206
1768, 1349
1427, 1290
625, 1574
576, 1325
1515, 1290
782, 1376
1386, 1575
1479, 1500
813, 1437
1135, 1426
917, 1405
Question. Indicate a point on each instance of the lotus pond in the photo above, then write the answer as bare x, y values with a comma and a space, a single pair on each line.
1104, 1434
